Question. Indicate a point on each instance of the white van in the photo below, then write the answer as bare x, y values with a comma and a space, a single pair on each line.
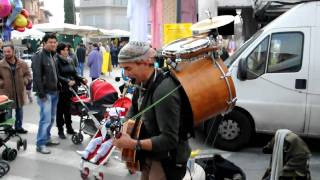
277, 78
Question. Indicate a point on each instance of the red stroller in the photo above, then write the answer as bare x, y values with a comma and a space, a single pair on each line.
91, 107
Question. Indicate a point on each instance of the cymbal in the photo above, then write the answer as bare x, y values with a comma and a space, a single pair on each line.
212, 23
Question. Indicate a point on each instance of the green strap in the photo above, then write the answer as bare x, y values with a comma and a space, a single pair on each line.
155, 103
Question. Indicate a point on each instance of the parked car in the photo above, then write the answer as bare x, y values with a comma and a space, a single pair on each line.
277, 78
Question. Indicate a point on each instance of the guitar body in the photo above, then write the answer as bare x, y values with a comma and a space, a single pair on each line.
129, 155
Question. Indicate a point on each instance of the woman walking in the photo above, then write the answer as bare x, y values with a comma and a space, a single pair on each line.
95, 62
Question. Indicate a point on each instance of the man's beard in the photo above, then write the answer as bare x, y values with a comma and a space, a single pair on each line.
8, 57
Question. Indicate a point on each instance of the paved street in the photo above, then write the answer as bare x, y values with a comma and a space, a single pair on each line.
63, 163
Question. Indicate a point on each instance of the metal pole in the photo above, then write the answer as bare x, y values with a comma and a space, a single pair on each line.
178, 11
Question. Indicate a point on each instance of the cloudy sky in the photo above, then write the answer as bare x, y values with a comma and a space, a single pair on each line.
56, 8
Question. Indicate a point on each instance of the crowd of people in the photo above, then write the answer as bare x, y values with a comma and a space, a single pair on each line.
56, 69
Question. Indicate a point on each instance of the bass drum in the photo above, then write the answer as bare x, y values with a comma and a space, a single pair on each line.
209, 89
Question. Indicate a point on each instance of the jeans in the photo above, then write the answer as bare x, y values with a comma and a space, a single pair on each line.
19, 117
48, 110
80, 68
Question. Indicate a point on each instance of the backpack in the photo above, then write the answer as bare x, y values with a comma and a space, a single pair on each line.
219, 168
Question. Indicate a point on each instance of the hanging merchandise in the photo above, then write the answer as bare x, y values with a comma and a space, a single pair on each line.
5, 8
238, 25
16, 19
138, 15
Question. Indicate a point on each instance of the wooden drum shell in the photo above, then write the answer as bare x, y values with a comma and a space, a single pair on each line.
206, 87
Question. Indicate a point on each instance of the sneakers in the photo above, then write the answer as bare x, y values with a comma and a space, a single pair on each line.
52, 142
43, 150
83, 154
21, 131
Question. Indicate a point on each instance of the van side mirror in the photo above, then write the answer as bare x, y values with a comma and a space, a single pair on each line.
242, 70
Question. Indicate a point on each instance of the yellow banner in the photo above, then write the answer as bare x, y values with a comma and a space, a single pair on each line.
172, 32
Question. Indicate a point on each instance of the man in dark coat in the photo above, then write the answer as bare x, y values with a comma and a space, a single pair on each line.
45, 81
81, 55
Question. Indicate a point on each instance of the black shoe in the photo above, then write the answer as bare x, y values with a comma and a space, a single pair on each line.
71, 131
21, 131
62, 136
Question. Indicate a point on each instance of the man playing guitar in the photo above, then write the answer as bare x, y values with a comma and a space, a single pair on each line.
166, 154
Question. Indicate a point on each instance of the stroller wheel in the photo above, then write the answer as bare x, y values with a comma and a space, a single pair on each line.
2, 171
19, 144
99, 177
12, 154
5, 165
77, 138
24, 143
5, 154
85, 173
80, 136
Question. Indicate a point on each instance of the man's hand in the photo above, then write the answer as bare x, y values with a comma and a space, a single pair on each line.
125, 141
71, 83
85, 81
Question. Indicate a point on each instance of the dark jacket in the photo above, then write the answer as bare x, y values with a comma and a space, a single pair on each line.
163, 121
81, 54
296, 157
14, 85
66, 72
45, 78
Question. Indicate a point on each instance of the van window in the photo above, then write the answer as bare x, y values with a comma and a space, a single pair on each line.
228, 62
285, 52
257, 59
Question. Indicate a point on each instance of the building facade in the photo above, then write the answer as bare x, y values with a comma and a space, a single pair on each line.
106, 14
37, 13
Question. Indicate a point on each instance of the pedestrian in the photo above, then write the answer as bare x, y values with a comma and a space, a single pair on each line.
72, 56
95, 62
67, 77
81, 55
114, 55
14, 76
45, 82
1, 52
166, 154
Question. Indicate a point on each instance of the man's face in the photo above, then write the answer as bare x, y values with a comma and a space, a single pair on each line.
50, 45
8, 52
133, 70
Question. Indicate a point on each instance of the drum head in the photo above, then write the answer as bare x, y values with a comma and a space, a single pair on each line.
186, 45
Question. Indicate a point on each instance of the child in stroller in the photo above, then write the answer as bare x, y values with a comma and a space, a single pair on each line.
100, 147
91, 107
110, 127
6, 124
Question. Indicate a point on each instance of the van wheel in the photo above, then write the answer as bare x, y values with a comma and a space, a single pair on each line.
234, 131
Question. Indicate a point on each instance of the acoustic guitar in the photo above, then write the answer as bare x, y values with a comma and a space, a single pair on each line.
133, 128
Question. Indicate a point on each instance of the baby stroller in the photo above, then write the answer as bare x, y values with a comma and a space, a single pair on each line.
6, 130
100, 148
91, 106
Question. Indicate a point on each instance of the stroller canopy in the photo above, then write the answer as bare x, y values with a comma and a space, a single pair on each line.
103, 92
